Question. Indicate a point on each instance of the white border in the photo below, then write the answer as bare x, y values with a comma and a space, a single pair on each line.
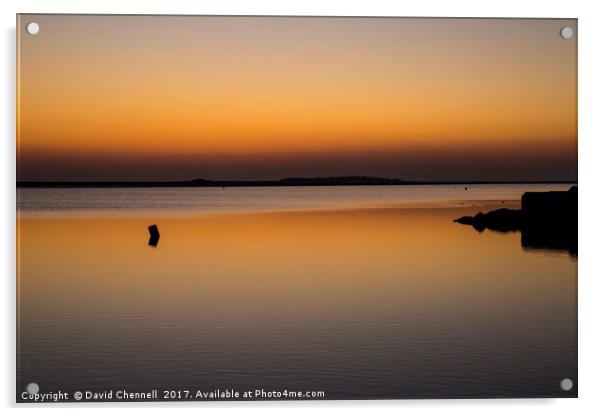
590, 137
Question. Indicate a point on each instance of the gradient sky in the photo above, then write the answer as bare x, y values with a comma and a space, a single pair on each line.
169, 98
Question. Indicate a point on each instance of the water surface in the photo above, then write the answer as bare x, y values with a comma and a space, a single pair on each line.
246, 199
361, 292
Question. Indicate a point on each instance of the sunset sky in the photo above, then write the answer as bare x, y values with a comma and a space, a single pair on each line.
175, 98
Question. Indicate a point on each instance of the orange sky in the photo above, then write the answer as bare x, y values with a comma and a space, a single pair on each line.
149, 97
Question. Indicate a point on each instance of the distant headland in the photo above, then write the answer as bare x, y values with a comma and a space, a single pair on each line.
300, 181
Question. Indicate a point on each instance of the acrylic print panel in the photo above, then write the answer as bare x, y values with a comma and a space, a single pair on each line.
308, 208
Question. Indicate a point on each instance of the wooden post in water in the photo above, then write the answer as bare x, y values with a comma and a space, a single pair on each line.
154, 235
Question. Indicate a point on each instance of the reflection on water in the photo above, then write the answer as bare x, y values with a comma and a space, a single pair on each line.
550, 239
359, 303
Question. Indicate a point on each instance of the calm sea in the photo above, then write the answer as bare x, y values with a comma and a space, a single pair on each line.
359, 292
245, 199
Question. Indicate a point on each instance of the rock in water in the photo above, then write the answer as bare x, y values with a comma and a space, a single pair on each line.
154, 235
546, 220
503, 219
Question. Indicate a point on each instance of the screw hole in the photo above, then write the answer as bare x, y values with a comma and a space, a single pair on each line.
566, 384
32, 28
566, 32
32, 388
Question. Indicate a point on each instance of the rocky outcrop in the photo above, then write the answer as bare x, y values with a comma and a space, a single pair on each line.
546, 220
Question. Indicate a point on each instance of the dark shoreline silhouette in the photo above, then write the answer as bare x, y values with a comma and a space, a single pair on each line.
546, 220
318, 181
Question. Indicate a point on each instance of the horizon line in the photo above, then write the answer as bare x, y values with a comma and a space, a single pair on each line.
288, 181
